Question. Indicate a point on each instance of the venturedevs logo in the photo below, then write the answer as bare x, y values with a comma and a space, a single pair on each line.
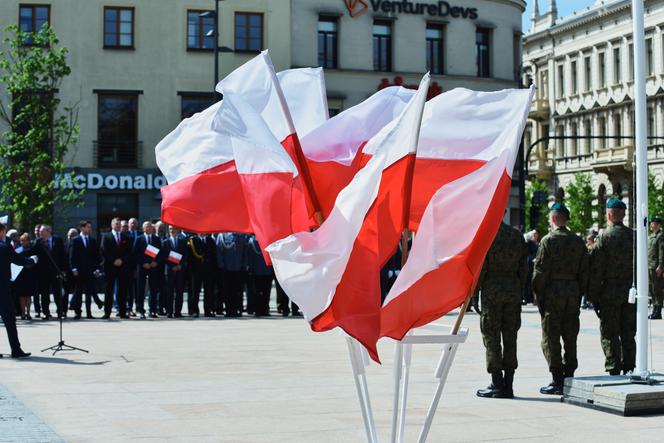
439, 9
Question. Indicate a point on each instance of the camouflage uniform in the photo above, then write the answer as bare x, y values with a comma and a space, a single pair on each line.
655, 257
501, 282
610, 281
559, 279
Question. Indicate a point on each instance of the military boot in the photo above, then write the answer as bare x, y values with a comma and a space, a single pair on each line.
509, 380
568, 372
496, 388
656, 313
555, 387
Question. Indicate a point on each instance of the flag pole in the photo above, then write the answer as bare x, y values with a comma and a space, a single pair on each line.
638, 37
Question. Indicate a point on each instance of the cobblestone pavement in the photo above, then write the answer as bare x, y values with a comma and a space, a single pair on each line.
19, 424
273, 380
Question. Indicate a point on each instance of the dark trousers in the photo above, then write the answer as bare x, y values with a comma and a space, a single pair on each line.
116, 275
194, 295
50, 285
260, 288
9, 319
161, 296
209, 295
85, 284
132, 289
151, 276
282, 301
174, 291
234, 281
222, 291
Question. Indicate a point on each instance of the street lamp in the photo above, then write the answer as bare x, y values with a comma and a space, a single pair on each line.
214, 32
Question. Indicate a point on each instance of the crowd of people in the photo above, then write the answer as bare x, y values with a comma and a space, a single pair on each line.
142, 271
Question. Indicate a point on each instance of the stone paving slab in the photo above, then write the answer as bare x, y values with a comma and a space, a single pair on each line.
19, 424
272, 380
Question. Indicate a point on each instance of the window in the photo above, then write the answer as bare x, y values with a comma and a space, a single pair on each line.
248, 32
118, 27
435, 48
601, 126
200, 31
117, 131
630, 61
382, 45
588, 73
650, 68
544, 85
587, 126
602, 69
560, 131
482, 41
194, 103
327, 42
616, 66
651, 125
617, 129
575, 83
32, 17
574, 143
561, 81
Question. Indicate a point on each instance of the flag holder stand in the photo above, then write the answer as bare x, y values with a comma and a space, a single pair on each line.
443, 334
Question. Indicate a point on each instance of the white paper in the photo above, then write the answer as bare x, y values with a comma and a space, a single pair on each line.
16, 270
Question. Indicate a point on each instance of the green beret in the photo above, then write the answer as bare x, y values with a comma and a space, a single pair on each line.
656, 219
559, 207
615, 203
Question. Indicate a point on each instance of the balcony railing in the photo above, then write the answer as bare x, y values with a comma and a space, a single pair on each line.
539, 109
118, 153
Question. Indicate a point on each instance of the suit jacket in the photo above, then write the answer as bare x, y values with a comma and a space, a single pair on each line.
180, 247
138, 253
8, 256
86, 260
47, 257
111, 250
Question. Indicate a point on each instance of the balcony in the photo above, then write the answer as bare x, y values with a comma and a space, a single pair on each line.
539, 109
612, 160
118, 153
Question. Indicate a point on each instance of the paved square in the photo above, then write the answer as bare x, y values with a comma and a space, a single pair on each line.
271, 380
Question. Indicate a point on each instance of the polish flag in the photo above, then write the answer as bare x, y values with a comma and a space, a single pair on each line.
332, 149
152, 251
333, 273
272, 185
204, 193
306, 96
479, 132
174, 257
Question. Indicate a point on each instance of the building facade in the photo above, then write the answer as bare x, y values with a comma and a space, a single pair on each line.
583, 67
139, 67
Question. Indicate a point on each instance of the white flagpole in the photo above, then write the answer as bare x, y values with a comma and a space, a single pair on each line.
638, 38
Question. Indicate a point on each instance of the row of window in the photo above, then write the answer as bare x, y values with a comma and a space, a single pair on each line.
584, 64
328, 46
119, 27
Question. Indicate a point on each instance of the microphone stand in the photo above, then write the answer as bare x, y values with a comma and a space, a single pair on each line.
60, 346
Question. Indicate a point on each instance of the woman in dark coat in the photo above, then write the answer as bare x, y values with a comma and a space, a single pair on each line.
25, 285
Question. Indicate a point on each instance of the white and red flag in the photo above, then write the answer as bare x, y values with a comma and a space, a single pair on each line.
333, 273
204, 193
478, 132
174, 257
152, 251
305, 94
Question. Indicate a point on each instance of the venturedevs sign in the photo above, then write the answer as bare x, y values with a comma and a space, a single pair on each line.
438, 9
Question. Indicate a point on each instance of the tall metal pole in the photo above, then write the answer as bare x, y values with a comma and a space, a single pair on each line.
638, 37
217, 97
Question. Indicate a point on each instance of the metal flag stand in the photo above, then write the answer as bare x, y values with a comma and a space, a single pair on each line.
449, 337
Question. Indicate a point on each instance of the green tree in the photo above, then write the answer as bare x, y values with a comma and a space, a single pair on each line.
580, 198
38, 133
542, 210
655, 196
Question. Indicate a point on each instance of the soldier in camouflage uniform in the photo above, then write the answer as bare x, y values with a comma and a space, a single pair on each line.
655, 259
559, 279
608, 288
501, 283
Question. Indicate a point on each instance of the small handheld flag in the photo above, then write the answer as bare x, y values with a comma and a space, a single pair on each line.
151, 251
174, 257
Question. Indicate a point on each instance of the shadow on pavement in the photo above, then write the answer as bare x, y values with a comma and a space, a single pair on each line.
552, 399
62, 361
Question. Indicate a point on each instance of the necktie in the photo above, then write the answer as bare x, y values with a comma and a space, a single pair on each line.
173, 242
117, 238
50, 243
85, 241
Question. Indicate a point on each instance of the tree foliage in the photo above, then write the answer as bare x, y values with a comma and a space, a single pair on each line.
38, 133
655, 196
580, 197
539, 212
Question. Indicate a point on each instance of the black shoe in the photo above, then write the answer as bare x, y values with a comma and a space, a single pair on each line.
297, 314
656, 313
555, 387
106, 317
20, 354
124, 317
47, 317
284, 314
509, 381
614, 372
154, 315
177, 315
100, 305
496, 389
77, 317
89, 316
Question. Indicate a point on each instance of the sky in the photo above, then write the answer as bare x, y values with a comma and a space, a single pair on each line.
565, 8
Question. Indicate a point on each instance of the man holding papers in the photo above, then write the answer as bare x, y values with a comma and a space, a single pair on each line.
174, 249
146, 253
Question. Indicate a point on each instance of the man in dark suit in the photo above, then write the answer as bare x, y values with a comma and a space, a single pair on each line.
8, 256
115, 250
52, 269
131, 228
85, 263
235, 270
147, 269
175, 272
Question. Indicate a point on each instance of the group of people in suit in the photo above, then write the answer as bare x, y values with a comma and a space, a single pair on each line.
143, 272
